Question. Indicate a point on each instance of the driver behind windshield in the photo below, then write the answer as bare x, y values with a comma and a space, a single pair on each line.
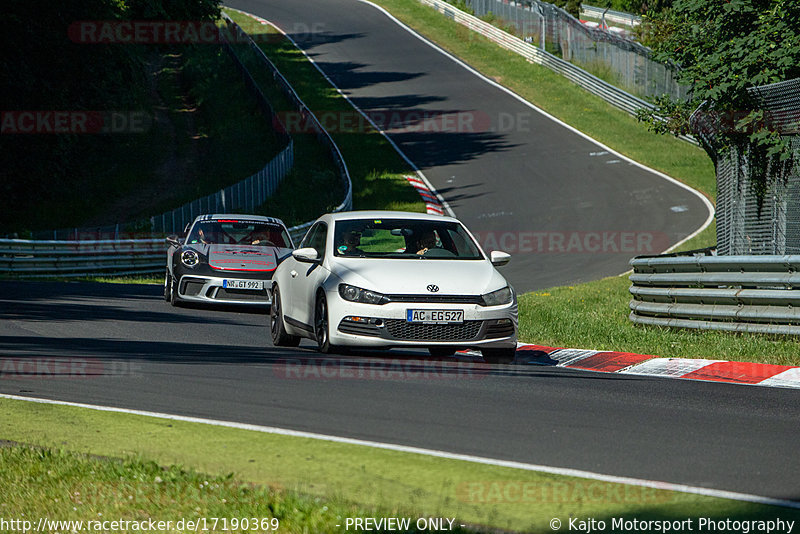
426, 241
207, 234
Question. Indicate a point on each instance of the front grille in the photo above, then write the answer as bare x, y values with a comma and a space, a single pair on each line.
400, 329
437, 299
499, 330
242, 294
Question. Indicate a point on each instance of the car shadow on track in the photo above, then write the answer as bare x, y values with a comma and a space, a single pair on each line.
28, 356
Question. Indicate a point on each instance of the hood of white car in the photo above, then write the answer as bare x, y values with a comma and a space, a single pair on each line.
413, 276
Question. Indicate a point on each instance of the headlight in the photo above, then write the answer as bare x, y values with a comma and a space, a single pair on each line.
498, 298
356, 294
190, 258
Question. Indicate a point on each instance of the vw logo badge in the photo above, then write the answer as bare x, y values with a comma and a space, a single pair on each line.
433, 288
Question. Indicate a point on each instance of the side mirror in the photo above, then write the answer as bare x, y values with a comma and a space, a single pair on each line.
172, 240
306, 255
499, 258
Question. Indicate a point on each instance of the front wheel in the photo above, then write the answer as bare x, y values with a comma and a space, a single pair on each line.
173, 291
499, 355
321, 331
322, 327
168, 287
277, 329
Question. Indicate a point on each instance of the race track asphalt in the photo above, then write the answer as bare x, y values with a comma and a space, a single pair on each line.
143, 354
518, 179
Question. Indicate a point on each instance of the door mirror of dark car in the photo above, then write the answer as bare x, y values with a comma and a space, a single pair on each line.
306, 255
499, 258
172, 240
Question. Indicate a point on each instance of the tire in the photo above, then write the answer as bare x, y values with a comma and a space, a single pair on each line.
168, 287
322, 326
173, 292
276, 327
441, 352
504, 356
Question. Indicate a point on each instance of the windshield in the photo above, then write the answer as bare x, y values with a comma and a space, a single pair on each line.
404, 239
239, 232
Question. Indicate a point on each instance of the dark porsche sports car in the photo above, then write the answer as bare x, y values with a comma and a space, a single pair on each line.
226, 259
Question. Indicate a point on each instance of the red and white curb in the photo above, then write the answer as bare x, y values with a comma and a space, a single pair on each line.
432, 203
760, 374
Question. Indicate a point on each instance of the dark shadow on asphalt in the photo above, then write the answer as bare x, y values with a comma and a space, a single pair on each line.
373, 104
308, 40
97, 356
427, 147
89, 302
433, 149
349, 75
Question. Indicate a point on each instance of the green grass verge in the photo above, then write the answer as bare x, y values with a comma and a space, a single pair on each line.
292, 473
376, 169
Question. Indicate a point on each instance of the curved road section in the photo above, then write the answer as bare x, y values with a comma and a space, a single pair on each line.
567, 209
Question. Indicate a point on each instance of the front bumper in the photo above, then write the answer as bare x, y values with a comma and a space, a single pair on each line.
365, 325
202, 288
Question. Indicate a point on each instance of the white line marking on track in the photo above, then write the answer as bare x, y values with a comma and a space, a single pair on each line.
708, 492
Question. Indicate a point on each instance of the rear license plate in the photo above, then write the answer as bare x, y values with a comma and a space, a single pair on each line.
255, 285
435, 316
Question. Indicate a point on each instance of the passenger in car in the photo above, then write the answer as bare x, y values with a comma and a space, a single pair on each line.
350, 243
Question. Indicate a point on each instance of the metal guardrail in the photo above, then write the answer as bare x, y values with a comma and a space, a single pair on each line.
729, 293
25, 258
617, 17
245, 195
45, 259
613, 95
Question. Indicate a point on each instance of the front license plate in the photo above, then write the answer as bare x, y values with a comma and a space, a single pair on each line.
435, 316
243, 284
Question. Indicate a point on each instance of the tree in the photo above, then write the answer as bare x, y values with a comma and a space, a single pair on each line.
720, 48
573, 7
